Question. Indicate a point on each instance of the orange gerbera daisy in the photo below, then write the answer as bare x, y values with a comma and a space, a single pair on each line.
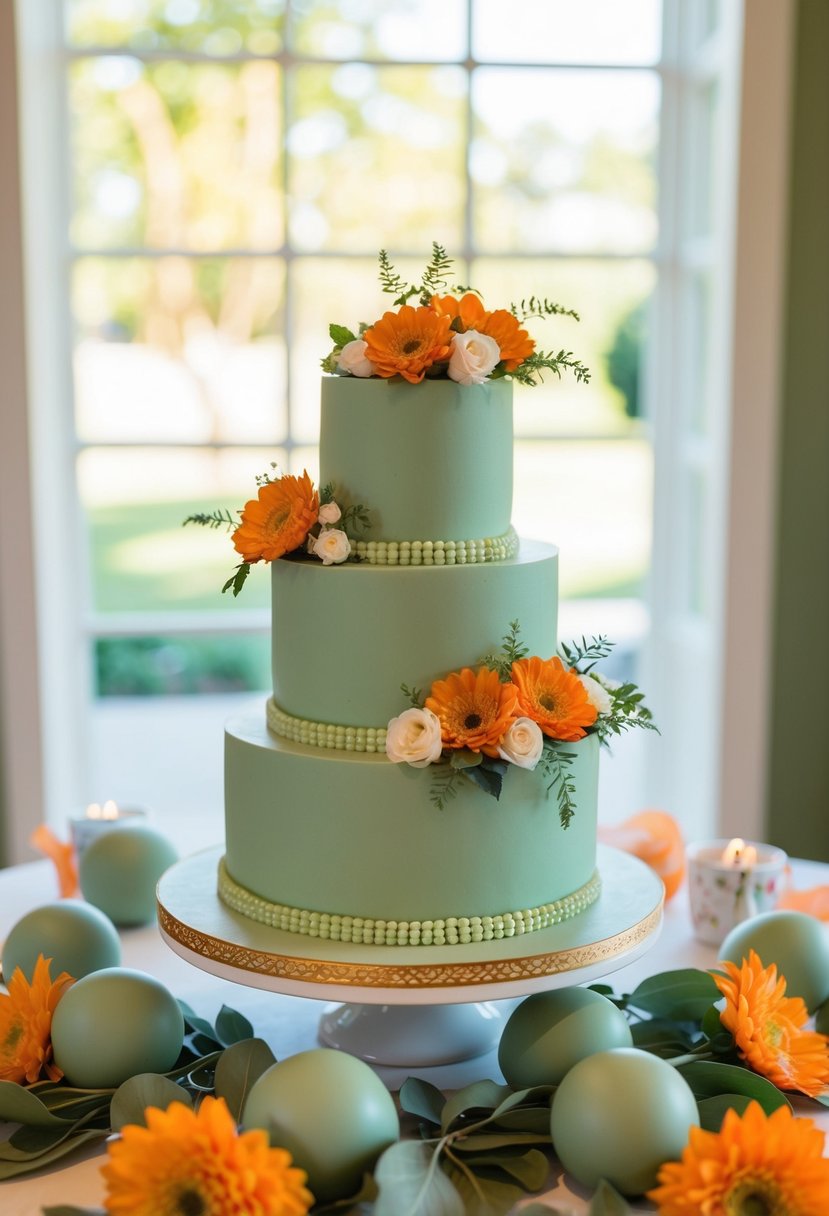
475, 709
755, 1165
407, 342
468, 311
196, 1163
553, 697
767, 1027
278, 520
514, 343
26, 1024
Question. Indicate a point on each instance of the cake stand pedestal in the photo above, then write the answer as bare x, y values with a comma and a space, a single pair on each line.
412, 1005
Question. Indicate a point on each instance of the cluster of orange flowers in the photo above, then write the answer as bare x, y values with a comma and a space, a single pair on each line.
278, 520
410, 341
476, 709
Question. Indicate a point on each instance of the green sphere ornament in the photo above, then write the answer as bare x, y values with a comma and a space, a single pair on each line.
796, 943
75, 936
331, 1112
113, 1025
549, 1032
119, 871
619, 1115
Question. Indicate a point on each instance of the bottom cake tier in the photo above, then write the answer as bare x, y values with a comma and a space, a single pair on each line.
348, 846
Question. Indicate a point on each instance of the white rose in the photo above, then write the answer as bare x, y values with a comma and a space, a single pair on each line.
332, 545
353, 359
598, 696
414, 738
473, 357
522, 744
330, 513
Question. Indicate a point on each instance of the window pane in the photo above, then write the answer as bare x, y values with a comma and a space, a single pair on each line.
559, 31
175, 155
376, 157
611, 300
151, 666
210, 27
141, 557
426, 30
179, 350
564, 161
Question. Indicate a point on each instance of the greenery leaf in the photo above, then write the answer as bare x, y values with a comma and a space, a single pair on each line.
130, 1100
421, 1098
481, 1194
682, 996
192, 1022
712, 1110
710, 1078
68, 1210
608, 1202
238, 1068
477, 1142
661, 1037
530, 1169
534, 1119
463, 758
20, 1105
237, 581
25, 1163
232, 1027
479, 1096
340, 334
410, 1182
523, 1097
488, 776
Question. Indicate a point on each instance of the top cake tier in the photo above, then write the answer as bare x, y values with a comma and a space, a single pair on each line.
431, 462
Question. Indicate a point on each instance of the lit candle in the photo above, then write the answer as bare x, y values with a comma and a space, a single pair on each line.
730, 881
97, 819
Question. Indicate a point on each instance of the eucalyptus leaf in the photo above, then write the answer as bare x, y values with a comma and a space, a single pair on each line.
25, 1165
538, 1094
476, 1141
661, 1037
20, 1105
410, 1182
340, 334
711, 1023
535, 1119
683, 995
418, 1097
479, 1096
710, 1078
712, 1110
463, 758
238, 1068
489, 776
483, 1195
608, 1202
130, 1100
530, 1169
193, 1022
232, 1027
203, 1044
366, 1194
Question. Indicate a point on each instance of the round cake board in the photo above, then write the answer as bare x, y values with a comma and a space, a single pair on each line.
452, 987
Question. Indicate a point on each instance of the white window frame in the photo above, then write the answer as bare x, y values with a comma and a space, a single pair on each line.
41, 609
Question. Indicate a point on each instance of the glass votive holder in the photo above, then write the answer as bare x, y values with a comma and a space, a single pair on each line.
96, 820
730, 881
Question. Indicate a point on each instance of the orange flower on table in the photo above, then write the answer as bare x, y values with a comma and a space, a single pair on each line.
767, 1027
755, 1165
408, 342
278, 520
554, 697
197, 1162
475, 709
26, 1024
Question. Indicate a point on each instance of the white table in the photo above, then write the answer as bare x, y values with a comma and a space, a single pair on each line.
289, 1024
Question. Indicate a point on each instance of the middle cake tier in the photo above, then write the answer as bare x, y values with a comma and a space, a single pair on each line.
344, 639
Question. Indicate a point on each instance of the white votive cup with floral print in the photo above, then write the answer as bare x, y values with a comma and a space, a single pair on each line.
730, 881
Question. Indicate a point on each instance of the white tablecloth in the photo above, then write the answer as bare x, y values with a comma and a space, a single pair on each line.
289, 1024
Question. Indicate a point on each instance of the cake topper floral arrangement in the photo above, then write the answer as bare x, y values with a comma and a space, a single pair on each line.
515, 709
447, 335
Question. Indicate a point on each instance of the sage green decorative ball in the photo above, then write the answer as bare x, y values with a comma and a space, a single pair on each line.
798, 944
331, 1112
113, 1025
619, 1115
549, 1032
75, 936
119, 872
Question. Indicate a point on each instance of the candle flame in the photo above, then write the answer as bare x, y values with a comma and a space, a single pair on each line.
108, 811
738, 853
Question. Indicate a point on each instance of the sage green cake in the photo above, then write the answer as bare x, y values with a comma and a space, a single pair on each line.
325, 834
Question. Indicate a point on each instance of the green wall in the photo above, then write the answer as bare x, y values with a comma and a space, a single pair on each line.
798, 811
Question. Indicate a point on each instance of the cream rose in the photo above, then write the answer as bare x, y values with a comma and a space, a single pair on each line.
353, 359
598, 696
330, 513
332, 546
473, 357
414, 738
522, 744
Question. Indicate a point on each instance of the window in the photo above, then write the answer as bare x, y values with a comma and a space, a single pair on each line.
225, 174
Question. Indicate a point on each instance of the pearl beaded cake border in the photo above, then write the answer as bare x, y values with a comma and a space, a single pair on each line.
436, 552
359, 930
325, 734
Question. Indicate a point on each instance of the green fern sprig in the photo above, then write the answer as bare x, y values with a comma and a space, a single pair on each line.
541, 308
557, 766
445, 780
436, 274
415, 695
511, 651
531, 371
355, 518
221, 518
391, 282
583, 655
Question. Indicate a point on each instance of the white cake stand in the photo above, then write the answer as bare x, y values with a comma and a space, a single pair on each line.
412, 1005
